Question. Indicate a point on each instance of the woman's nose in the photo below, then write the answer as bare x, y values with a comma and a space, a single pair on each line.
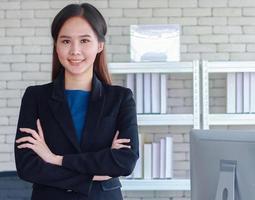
75, 49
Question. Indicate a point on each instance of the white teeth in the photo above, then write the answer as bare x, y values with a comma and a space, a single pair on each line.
75, 61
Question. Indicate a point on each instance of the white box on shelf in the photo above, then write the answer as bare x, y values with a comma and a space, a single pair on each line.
147, 161
239, 92
231, 93
252, 93
147, 92
159, 42
162, 173
163, 93
169, 157
155, 93
246, 92
139, 93
155, 160
131, 82
138, 171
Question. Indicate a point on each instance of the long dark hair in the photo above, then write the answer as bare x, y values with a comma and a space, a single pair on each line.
98, 24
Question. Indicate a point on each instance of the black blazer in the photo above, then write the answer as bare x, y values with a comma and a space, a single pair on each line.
111, 108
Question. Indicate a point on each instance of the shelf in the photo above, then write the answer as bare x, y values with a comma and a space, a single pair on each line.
165, 67
151, 67
165, 119
224, 67
231, 119
155, 184
223, 119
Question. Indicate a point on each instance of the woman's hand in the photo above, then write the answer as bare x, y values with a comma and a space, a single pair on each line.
37, 143
116, 144
119, 143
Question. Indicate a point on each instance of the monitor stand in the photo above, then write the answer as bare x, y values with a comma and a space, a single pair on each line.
226, 184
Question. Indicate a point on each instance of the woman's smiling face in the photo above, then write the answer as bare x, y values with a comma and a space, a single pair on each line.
77, 46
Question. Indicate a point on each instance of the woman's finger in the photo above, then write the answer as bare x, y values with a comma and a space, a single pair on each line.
31, 131
39, 127
119, 146
26, 145
101, 178
26, 139
116, 135
122, 140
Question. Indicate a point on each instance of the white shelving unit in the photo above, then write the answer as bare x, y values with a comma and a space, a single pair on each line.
163, 119
223, 119
165, 67
155, 184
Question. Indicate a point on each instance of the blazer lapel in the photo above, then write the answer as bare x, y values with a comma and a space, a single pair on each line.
94, 113
61, 111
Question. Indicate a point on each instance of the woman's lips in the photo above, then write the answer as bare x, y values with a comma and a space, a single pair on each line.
75, 61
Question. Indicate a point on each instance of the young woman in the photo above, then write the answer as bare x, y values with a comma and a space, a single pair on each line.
77, 134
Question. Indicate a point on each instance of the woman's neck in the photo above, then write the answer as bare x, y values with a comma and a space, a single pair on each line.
78, 82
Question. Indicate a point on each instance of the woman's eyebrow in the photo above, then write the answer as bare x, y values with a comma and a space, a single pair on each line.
65, 36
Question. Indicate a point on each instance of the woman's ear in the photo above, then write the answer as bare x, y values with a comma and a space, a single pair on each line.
100, 47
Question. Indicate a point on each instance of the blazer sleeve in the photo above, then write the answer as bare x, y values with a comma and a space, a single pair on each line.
112, 162
32, 168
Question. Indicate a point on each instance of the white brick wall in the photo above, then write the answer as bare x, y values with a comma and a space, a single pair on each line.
227, 12
212, 4
213, 30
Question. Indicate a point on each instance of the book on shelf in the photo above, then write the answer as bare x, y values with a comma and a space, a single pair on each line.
169, 157
150, 92
138, 171
246, 92
252, 92
131, 82
147, 161
163, 93
162, 173
231, 92
147, 96
239, 92
155, 93
139, 93
240, 95
155, 160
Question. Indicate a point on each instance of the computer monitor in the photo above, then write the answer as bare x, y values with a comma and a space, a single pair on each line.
222, 165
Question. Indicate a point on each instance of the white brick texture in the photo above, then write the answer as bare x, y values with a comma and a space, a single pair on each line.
14, 14
241, 3
212, 4
123, 4
214, 30
183, 3
227, 12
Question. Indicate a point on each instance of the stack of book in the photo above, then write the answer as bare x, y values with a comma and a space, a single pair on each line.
150, 92
241, 92
155, 161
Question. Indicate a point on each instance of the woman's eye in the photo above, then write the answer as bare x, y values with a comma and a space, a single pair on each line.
84, 41
66, 41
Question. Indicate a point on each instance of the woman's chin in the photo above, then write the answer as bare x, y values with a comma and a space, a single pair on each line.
77, 71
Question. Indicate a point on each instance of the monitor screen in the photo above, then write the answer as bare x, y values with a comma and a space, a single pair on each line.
222, 165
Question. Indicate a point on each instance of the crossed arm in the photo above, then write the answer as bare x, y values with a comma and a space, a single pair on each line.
36, 142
